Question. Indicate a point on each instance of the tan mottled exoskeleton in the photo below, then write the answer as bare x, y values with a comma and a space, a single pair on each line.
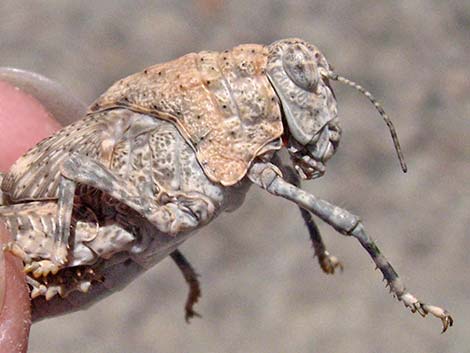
161, 153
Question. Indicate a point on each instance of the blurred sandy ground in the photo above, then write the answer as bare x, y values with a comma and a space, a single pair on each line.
262, 292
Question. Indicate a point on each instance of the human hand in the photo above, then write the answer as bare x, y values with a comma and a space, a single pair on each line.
24, 121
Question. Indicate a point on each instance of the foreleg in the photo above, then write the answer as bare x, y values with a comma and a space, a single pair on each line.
269, 178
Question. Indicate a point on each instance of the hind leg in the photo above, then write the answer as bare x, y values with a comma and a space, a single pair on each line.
31, 225
170, 214
64, 218
68, 183
58, 253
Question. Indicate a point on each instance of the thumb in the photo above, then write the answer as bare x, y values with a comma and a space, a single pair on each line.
23, 122
15, 316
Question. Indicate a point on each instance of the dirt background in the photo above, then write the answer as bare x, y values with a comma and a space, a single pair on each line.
262, 292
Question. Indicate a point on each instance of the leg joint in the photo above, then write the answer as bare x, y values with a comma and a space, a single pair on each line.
345, 222
358, 231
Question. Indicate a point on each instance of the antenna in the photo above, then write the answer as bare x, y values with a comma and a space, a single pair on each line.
334, 76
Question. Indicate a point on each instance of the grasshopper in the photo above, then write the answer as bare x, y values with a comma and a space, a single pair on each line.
162, 153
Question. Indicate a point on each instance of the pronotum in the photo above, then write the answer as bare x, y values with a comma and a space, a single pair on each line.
163, 152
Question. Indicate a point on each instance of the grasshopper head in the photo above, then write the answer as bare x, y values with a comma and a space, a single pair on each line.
300, 74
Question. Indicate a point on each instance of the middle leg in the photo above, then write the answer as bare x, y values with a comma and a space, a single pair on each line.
328, 262
190, 277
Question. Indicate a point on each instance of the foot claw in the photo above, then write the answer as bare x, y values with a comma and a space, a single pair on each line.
447, 320
423, 309
190, 313
37, 291
30, 267
329, 263
41, 268
84, 287
16, 250
53, 291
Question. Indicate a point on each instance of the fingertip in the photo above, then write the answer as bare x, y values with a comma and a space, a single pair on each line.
23, 123
15, 314
54, 97
32, 107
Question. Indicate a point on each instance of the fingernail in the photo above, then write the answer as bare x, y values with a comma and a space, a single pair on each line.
55, 98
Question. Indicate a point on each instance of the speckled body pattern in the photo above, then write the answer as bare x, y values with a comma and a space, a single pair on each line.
222, 103
156, 162
163, 152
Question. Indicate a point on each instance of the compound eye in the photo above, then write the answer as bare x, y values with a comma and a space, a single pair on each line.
301, 68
